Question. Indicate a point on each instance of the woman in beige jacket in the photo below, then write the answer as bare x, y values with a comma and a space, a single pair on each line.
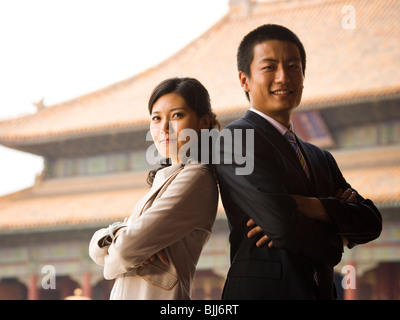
153, 255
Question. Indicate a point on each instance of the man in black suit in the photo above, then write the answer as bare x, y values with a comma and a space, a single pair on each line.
296, 199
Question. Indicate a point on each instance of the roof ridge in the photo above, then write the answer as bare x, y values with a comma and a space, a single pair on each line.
355, 76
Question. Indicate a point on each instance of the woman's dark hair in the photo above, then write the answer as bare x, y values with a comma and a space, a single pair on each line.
196, 97
245, 54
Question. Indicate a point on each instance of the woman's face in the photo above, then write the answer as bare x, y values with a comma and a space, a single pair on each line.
170, 115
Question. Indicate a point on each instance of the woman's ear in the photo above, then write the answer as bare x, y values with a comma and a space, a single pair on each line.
205, 121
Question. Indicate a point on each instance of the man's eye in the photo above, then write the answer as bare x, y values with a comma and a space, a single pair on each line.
268, 68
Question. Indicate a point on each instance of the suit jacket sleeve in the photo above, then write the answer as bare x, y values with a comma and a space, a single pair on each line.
189, 203
359, 222
263, 197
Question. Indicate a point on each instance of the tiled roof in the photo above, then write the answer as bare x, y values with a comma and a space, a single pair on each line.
74, 201
374, 173
378, 184
342, 65
67, 210
96, 201
69, 202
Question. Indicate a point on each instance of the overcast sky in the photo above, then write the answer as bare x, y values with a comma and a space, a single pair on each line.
58, 50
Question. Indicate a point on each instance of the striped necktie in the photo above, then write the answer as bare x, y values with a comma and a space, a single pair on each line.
289, 135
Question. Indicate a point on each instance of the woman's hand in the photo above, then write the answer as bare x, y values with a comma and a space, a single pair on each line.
119, 232
161, 255
120, 229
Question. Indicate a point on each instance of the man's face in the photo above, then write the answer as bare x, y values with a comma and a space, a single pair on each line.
275, 84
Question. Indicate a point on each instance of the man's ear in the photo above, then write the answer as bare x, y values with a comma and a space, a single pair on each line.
244, 81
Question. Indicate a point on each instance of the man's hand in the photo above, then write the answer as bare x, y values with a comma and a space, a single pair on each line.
255, 231
347, 196
311, 207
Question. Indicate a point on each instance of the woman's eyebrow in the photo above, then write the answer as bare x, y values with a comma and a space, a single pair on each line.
173, 109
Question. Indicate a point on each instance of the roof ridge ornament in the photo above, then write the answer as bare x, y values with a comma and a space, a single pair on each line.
39, 105
241, 7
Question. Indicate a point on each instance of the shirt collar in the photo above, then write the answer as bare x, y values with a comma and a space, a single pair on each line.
277, 125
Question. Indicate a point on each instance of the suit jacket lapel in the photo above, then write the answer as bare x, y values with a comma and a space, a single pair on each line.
279, 142
162, 178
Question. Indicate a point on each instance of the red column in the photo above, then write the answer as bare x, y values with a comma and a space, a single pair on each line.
86, 286
33, 291
387, 281
350, 279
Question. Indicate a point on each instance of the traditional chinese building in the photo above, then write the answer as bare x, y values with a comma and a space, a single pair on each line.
94, 147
